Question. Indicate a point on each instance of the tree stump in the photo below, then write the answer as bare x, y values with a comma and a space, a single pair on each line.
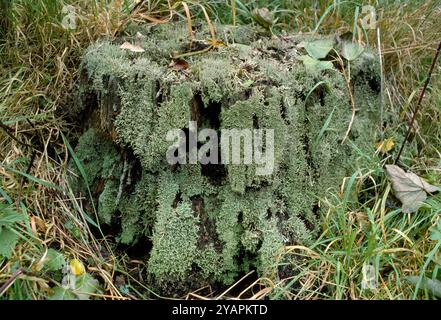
208, 223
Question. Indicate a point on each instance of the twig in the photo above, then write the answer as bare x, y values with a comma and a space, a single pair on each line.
8, 130
10, 281
380, 56
426, 84
193, 53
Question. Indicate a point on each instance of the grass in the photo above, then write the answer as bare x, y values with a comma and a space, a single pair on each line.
373, 234
362, 225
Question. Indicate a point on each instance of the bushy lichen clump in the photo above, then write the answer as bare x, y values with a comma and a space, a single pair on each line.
209, 223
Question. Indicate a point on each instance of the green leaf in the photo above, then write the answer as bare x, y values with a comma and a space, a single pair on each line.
435, 235
319, 49
351, 51
314, 66
85, 286
433, 286
5, 196
435, 232
8, 241
61, 293
55, 260
84, 175
9, 215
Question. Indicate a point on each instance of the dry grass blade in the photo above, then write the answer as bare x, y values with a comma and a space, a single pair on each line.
234, 285
351, 98
189, 23
210, 25
263, 292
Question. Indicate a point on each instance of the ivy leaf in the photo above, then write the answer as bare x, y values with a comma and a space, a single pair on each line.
319, 49
351, 51
8, 241
85, 286
61, 293
409, 188
314, 66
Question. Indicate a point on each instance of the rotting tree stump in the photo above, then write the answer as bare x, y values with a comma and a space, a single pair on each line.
209, 223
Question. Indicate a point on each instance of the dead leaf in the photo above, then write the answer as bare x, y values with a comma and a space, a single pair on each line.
264, 17
37, 224
217, 43
139, 36
128, 46
179, 65
409, 188
386, 145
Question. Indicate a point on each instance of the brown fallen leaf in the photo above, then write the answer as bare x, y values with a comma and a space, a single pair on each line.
409, 188
128, 46
179, 65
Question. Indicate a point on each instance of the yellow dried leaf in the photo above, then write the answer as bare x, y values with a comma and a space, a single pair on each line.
77, 267
385, 145
217, 43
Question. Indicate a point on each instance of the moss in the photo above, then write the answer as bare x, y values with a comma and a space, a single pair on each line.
209, 223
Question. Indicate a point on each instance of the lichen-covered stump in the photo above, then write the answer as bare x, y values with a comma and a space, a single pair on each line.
210, 223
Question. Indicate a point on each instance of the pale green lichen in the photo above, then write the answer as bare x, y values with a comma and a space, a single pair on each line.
175, 242
210, 223
106, 179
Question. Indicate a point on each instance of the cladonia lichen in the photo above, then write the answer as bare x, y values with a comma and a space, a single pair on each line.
210, 223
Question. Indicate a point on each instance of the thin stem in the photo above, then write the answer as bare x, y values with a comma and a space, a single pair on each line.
347, 78
429, 77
